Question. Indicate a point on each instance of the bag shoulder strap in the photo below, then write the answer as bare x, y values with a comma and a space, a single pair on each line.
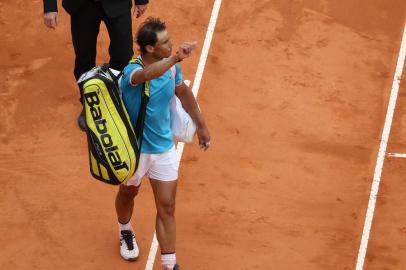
139, 128
141, 63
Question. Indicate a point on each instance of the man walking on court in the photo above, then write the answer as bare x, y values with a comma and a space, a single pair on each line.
158, 158
86, 16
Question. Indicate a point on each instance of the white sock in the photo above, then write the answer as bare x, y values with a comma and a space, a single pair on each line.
125, 227
168, 261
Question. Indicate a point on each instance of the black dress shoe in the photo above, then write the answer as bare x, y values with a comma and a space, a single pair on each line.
82, 122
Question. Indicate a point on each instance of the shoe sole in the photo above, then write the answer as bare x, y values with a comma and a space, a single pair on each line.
131, 259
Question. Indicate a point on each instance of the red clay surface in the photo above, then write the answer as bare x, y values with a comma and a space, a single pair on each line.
295, 95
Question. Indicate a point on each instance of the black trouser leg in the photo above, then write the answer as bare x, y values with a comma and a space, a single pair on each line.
85, 27
121, 40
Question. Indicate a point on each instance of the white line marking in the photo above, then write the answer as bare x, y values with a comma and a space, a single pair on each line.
381, 154
399, 155
152, 253
206, 46
195, 90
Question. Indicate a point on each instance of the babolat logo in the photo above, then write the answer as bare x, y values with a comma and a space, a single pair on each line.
93, 101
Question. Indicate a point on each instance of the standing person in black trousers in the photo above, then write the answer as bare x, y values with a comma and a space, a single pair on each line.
86, 16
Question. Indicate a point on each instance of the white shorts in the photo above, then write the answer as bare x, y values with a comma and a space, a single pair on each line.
162, 167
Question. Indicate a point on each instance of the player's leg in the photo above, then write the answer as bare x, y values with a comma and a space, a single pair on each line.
124, 207
125, 203
165, 197
165, 194
163, 177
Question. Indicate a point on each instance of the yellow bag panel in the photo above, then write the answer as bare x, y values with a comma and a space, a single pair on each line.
104, 172
112, 134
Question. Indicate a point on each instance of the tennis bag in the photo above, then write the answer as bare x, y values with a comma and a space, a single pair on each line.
114, 145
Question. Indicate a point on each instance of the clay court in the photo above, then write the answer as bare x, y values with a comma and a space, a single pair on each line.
295, 94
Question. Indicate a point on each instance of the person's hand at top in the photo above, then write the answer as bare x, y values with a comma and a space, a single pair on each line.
139, 10
51, 19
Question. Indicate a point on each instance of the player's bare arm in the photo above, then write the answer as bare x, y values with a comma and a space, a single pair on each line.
158, 68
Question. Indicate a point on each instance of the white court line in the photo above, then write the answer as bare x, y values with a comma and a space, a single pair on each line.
398, 155
195, 90
381, 154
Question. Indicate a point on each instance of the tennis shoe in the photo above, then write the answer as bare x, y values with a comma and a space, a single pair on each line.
128, 246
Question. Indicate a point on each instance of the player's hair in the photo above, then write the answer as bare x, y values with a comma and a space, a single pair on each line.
147, 32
